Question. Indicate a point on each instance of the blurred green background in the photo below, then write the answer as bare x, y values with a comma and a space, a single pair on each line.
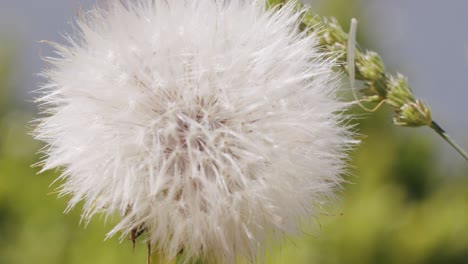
400, 205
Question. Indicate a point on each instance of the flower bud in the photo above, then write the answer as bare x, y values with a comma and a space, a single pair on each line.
413, 114
399, 92
370, 66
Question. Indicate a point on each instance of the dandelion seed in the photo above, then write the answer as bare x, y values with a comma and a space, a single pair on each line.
213, 125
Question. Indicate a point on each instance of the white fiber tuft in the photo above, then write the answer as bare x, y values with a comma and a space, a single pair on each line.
213, 124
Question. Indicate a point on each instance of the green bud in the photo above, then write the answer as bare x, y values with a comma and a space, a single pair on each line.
399, 92
371, 94
370, 66
413, 114
334, 32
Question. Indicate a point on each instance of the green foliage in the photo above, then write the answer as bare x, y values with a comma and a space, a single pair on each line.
33, 227
5, 75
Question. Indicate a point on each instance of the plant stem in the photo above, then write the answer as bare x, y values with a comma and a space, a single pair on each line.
155, 258
439, 130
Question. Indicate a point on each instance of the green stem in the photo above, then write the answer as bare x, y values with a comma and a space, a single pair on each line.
154, 257
447, 138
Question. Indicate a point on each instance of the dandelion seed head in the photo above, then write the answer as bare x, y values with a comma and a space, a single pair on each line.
213, 124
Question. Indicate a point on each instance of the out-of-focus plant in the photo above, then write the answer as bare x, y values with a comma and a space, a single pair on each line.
5, 77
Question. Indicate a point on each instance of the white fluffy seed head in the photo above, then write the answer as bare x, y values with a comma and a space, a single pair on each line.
213, 124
